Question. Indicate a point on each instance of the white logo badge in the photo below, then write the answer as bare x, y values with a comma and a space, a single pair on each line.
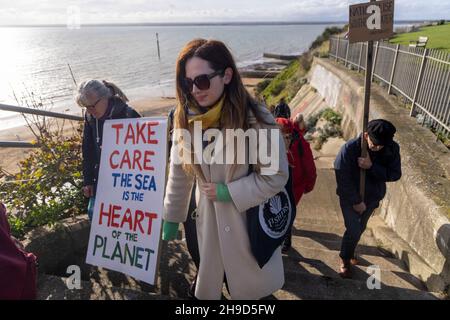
275, 215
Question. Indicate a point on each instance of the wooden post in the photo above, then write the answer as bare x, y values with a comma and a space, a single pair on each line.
367, 85
71, 73
157, 44
75, 83
394, 64
362, 181
419, 81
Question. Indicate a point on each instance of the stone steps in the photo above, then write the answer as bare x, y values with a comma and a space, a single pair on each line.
175, 275
307, 286
315, 250
328, 232
55, 288
366, 245
328, 267
331, 258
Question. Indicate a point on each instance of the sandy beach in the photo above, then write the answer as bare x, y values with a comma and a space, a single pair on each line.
149, 107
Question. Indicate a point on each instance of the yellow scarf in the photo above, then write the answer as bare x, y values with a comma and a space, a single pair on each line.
210, 118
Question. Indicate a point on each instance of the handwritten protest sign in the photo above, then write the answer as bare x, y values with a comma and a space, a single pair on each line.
371, 21
126, 224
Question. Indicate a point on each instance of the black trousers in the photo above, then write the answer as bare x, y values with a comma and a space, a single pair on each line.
190, 231
355, 225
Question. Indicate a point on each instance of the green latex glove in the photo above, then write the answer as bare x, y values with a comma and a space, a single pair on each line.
222, 192
170, 230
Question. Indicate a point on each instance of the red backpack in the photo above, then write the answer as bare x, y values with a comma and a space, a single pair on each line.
17, 267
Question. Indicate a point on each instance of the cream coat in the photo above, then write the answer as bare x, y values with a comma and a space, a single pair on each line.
221, 226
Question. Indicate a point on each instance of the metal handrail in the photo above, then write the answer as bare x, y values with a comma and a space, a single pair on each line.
38, 112
24, 110
18, 144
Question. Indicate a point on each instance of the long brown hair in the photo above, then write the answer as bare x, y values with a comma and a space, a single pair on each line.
237, 99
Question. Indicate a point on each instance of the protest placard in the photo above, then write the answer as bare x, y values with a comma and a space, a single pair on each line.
126, 224
371, 21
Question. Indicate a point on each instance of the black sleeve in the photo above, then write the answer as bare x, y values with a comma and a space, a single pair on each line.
88, 152
131, 113
344, 167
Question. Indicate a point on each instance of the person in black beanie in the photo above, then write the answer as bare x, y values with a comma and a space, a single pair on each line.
382, 165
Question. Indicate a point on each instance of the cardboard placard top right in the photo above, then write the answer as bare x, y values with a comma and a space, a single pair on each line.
371, 21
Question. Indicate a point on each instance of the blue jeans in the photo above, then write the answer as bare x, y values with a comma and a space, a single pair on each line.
90, 208
355, 224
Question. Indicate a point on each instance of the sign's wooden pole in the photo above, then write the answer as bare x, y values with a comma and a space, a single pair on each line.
367, 84
369, 22
362, 180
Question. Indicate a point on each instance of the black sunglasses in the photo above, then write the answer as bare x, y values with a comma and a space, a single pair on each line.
202, 82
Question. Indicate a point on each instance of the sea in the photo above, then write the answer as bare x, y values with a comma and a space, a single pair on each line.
41, 65
37, 63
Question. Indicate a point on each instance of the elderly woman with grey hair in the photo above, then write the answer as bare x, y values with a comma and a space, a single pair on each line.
102, 100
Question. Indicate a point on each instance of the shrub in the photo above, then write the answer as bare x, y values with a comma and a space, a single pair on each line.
262, 85
330, 129
305, 61
325, 36
332, 116
47, 186
312, 121
278, 87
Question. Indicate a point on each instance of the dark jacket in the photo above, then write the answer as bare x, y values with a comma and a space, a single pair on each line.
92, 137
386, 167
282, 110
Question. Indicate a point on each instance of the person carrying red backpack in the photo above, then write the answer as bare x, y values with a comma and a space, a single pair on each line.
302, 163
17, 267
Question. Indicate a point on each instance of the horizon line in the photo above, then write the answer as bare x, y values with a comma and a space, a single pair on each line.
203, 23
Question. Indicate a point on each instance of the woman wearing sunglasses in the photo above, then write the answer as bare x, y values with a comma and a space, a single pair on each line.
102, 100
210, 90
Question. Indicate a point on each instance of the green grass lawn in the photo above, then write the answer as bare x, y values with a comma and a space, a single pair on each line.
438, 37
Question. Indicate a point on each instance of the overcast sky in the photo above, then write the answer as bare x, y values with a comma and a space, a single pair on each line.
139, 11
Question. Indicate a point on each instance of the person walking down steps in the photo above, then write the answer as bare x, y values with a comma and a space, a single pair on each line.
210, 93
102, 100
302, 165
282, 110
382, 165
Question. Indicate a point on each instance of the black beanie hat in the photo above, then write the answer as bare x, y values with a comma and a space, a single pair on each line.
381, 132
